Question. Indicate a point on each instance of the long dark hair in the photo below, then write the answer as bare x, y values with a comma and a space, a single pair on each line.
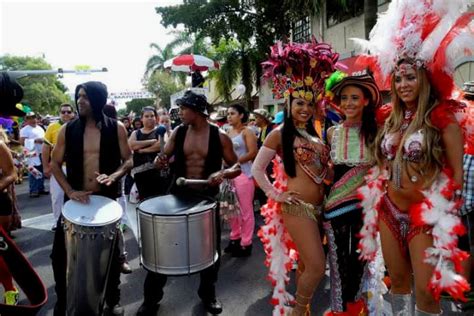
241, 110
288, 135
368, 128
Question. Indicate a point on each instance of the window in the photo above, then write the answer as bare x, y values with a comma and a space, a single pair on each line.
248, 3
302, 30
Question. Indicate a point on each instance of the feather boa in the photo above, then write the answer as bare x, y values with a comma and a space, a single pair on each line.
437, 210
440, 211
277, 244
371, 198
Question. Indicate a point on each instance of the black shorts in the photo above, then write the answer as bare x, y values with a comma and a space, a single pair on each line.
465, 241
6, 205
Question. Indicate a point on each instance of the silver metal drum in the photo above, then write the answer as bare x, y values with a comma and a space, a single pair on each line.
90, 232
177, 233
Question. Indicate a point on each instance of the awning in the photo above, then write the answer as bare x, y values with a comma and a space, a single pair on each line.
353, 68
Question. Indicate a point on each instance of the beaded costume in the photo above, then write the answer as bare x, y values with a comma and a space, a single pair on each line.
343, 216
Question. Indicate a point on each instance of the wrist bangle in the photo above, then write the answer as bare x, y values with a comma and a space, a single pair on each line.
70, 192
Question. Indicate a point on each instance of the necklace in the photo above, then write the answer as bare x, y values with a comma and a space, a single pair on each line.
304, 133
407, 118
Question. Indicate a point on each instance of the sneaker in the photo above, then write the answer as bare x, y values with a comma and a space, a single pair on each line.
53, 228
213, 306
125, 268
232, 246
117, 310
11, 297
44, 192
243, 251
34, 194
148, 310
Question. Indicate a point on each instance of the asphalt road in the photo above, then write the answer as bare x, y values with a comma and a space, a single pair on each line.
242, 286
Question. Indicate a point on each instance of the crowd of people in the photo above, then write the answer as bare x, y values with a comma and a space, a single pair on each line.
342, 179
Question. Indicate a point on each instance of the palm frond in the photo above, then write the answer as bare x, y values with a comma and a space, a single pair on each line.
228, 74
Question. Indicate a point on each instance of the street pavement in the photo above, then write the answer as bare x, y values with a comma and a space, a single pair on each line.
242, 286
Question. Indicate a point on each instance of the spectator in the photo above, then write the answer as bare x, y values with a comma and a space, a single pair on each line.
66, 113
31, 137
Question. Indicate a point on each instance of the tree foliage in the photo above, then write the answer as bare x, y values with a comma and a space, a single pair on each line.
163, 85
43, 93
136, 105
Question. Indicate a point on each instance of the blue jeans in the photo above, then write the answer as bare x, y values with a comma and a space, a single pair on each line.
36, 185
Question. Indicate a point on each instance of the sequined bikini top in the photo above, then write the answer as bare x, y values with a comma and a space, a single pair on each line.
312, 156
412, 148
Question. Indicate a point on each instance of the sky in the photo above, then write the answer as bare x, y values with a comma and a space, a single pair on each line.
100, 33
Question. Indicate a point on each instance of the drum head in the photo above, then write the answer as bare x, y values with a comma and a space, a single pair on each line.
176, 205
98, 212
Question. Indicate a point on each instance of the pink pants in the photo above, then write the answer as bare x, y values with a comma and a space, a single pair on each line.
242, 226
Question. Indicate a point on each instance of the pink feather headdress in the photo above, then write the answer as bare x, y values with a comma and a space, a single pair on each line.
299, 69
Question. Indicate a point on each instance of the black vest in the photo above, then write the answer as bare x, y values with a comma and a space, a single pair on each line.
109, 156
214, 157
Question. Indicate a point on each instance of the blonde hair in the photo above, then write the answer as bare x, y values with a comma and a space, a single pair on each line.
431, 159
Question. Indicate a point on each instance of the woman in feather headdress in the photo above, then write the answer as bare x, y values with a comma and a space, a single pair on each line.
295, 200
413, 195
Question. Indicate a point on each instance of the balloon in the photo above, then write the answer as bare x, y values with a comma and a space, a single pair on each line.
240, 89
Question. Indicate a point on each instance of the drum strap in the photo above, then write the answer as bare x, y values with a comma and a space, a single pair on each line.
26, 277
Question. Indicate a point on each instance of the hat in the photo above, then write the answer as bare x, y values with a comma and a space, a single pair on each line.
194, 101
263, 113
366, 81
468, 88
299, 69
278, 118
30, 114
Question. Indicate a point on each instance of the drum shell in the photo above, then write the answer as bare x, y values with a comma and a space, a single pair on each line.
89, 255
178, 244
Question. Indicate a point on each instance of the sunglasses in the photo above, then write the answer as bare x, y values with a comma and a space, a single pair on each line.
66, 112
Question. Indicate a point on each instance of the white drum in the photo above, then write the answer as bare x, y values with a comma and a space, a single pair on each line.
90, 235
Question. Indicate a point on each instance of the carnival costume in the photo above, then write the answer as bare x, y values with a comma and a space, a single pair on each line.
434, 34
297, 70
343, 214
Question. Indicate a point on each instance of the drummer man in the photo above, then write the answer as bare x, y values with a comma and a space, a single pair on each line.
198, 149
97, 155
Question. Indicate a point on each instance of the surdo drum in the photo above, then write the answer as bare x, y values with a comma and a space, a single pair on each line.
90, 231
177, 233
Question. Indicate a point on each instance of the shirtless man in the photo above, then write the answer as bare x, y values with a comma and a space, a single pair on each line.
191, 144
97, 155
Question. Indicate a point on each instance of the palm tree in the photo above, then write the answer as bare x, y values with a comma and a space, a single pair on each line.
156, 62
239, 63
193, 44
370, 15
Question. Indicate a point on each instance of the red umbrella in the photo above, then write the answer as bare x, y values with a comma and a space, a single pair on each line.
188, 63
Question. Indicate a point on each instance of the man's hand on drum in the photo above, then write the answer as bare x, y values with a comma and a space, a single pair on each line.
161, 161
104, 179
216, 178
79, 196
